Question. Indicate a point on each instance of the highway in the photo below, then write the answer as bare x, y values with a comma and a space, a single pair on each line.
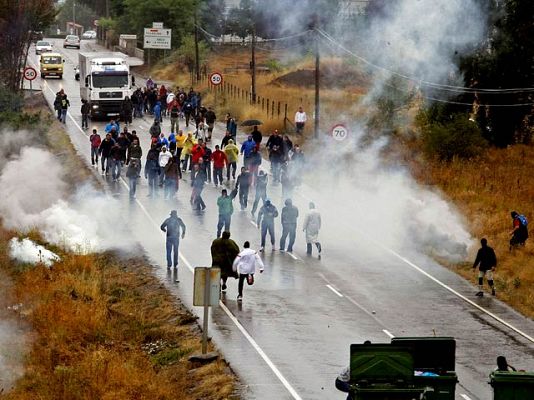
291, 335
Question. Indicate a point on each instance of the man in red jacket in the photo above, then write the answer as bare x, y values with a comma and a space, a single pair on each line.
219, 161
197, 154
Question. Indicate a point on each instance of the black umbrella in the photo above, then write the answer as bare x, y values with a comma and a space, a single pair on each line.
251, 122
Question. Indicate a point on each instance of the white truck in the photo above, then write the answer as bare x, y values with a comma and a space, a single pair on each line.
105, 80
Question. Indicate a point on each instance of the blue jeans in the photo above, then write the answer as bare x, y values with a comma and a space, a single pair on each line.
153, 183
267, 227
172, 245
64, 115
94, 155
224, 220
291, 230
115, 168
105, 161
133, 186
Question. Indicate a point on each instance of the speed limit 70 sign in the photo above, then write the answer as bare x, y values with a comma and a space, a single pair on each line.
216, 78
30, 73
340, 132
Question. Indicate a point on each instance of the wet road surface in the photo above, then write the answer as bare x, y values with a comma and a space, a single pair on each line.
290, 337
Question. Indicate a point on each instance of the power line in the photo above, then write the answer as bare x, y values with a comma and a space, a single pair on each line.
423, 82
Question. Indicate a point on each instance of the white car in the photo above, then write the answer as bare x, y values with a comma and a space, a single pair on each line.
71, 41
42, 46
89, 35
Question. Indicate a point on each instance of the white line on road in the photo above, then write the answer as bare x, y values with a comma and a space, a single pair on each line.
334, 290
466, 397
254, 344
445, 286
294, 257
253, 223
391, 336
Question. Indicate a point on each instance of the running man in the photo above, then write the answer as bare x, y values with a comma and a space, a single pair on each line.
266, 216
173, 226
487, 261
245, 264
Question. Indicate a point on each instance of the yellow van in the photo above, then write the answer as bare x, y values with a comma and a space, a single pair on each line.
51, 64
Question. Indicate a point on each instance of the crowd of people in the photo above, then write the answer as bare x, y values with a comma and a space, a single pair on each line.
173, 156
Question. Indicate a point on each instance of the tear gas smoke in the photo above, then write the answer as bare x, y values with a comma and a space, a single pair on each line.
34, 196
419, 38
27, 251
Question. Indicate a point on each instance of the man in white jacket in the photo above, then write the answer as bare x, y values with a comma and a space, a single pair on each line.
300, 120
163, 160
245, 264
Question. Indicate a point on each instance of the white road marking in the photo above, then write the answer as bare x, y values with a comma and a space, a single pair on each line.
445, 286
294, 257
391, 336
466, 397
267, 360
334, 290
253, 223
254, 344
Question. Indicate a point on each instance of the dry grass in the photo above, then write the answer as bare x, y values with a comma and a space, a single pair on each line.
332, 100
486, 191
95, 319
91, 316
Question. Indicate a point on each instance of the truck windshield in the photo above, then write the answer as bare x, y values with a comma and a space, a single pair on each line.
51, 60
110, 81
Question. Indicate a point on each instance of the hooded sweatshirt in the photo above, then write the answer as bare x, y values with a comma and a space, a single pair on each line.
246, 261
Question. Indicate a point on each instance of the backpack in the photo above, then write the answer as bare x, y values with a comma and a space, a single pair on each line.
523, 220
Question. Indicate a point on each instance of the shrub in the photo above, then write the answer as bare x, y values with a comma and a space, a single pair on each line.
458, 137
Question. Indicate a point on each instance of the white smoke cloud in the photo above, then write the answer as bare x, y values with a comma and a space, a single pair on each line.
27, 251
34, 196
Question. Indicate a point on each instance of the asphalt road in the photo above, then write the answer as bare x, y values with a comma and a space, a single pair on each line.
290, 337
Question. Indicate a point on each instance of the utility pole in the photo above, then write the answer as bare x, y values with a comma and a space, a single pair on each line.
107, 8
197, 57
317, 78
74, 13
253, 65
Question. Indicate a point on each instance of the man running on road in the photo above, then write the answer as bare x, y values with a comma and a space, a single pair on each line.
290, 214
245, 265
487, 260
266, 216
173, 226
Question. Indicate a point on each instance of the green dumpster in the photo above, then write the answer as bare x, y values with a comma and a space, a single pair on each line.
512, 385
382, 372
433, 356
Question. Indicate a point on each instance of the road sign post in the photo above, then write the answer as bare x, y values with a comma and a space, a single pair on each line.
30, 74
206, 291
157, 38
216, 79
339, 132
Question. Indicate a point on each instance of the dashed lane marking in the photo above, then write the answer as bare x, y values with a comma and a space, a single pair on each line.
334, 290
391, 336
465, 397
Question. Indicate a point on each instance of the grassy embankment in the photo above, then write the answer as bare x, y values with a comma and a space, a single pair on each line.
291, 82
486, 190
103, 327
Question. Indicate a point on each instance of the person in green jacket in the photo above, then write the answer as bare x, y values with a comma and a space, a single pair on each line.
223, 253
232, 153
226, 209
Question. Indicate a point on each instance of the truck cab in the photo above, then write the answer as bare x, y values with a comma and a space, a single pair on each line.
51, 64
104, 82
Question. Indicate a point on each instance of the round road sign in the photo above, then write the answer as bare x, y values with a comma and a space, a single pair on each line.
340, 132
30, 73
216, 78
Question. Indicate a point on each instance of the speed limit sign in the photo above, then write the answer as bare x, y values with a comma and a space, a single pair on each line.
30, 73
216, 78
340, 132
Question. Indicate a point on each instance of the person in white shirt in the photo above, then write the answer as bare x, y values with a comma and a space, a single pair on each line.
300, 120
163, 160
245, 265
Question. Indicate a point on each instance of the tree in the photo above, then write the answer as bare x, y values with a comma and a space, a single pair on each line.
504, 61
18, 20
187, 52
212, 16
73, 8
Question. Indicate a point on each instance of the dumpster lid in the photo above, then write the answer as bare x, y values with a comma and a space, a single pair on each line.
512, 377
437, 354
381, 363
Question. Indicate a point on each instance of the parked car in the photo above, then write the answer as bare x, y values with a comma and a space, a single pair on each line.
42, 46
77, 73
71, 41
89, 35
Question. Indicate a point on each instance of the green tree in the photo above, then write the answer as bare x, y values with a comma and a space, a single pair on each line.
505, 60
17, 20
186, 52
71, 9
